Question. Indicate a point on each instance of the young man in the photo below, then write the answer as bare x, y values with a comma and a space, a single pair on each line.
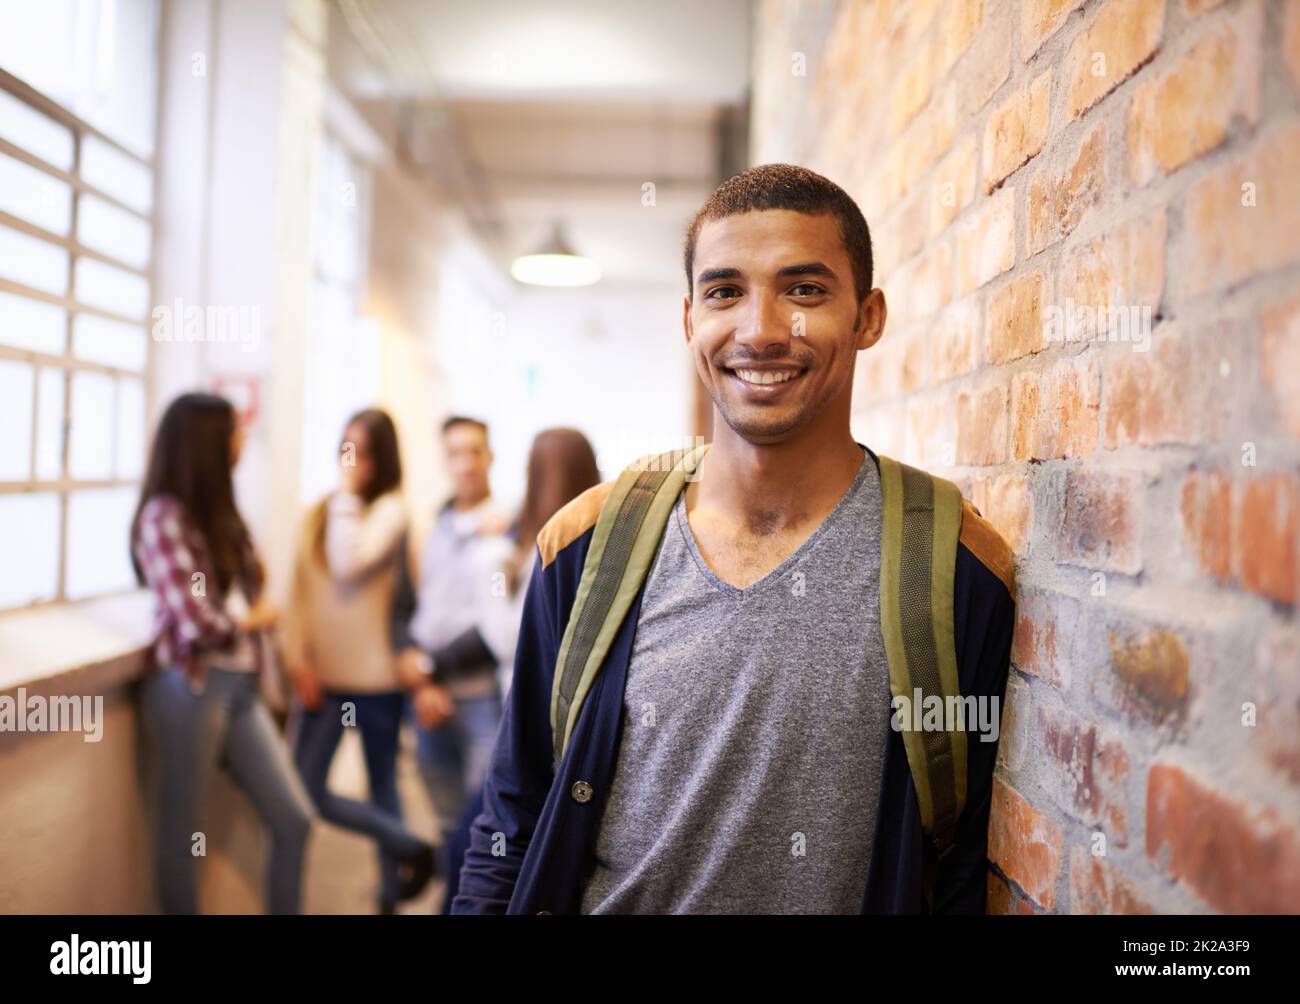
735, 752
449, 668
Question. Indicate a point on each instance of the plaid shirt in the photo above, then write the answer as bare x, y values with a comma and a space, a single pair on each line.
191, 622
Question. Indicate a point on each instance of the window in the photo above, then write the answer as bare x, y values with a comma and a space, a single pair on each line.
78, 82
341, 373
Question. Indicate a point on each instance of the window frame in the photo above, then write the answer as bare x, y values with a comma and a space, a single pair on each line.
67, 362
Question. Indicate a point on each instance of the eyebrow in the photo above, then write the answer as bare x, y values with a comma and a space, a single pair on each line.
805, 268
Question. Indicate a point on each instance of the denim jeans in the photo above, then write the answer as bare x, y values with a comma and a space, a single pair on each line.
454, 757
227, 726
379, 717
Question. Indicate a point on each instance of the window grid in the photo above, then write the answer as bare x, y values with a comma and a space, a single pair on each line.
67, 363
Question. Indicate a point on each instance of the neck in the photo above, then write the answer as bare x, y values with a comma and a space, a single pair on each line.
794, 480
461, 504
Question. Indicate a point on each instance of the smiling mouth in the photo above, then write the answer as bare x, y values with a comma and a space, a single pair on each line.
764, 377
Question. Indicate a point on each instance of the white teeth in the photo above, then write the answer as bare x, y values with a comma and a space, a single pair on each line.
765, 376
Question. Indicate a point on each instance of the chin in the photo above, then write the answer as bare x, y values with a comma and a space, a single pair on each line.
762, 429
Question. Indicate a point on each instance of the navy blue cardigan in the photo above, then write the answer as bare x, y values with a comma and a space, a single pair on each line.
529, 845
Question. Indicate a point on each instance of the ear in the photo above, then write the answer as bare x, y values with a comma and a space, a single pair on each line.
872, 313
686, 319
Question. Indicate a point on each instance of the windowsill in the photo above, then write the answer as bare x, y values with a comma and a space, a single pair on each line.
48, 642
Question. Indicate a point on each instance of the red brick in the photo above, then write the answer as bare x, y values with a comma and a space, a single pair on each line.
986, 241
1092, 771
1154, 665
1025, 844
913, 88
997, 903
1042, 644
1291, 43
1007, 503
954, 184
916, 17
1123, 268
1016, 130
1279, 357
1236, 858
1122, 37
984, 68
1149, 398
982, 426
928, 437
1265, 535
931, 281
1100, 527
1015, 326
1187, 112
914, 362
954, 340
1207, 520
1055, 411
926, 140
1226, 240
1099, 888
1275, 690
1039, 20
1058, 202
961, 22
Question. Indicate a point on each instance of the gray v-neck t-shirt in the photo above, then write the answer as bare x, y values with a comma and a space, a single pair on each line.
754, 730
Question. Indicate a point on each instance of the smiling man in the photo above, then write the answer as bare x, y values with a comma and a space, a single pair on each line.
732, 751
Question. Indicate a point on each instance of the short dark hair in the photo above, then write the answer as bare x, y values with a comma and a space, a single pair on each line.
456, 420
787, 186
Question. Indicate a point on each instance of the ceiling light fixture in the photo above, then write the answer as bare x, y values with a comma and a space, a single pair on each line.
555, 264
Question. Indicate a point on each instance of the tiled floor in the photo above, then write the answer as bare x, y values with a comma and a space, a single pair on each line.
342, 870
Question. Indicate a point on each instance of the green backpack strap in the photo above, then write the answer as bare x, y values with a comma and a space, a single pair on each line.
623, 545
922, 521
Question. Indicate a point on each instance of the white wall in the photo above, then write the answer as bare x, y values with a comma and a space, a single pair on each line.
609, 360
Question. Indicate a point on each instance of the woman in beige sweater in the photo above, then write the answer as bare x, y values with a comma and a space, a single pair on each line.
338, 649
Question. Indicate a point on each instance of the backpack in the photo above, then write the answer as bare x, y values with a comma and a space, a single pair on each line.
921, 522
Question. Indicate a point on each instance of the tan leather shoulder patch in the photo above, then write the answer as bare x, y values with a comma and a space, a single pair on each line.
572, 521
987, 545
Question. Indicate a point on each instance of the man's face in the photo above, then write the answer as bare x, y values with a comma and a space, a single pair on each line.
468, 460
773, 324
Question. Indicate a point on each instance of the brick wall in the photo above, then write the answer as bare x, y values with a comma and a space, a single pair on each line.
1014, 160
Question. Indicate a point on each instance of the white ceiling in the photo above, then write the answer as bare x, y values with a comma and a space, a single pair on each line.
528, 112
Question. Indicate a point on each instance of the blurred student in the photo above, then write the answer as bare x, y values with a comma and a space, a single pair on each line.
447, 648
338, 652
561, 466
200, 701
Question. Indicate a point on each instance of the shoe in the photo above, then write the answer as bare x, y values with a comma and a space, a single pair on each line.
415, 871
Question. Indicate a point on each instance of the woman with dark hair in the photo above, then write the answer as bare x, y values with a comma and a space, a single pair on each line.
561, 466
339, 652
201, 700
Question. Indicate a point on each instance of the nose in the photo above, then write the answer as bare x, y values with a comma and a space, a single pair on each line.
763, 326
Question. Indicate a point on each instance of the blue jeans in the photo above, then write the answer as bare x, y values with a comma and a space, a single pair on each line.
228, 726
454, 757
379, 716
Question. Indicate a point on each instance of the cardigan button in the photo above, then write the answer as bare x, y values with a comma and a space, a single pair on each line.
581, 791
